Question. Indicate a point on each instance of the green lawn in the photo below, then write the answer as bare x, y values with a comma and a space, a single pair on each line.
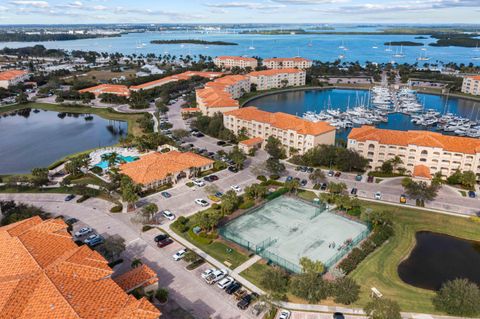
90, 179
255, 272
379, 270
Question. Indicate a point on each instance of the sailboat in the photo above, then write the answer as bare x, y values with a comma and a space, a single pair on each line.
342, 46
310, 43
341, 56
423, 57
424, 48
374, 47
476, 48
399, 54
140, 45
389, 49
251, 47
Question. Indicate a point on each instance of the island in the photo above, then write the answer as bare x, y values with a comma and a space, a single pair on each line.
27, 37
421, 37
404, 43
191, 41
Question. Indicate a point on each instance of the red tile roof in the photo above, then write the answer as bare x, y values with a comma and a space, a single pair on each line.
177, 77
157, 166
108, 88
272, 72
295, 59
236, 58
281, 120
420, 138
421, 171
136, 277
474, 77
11, 74
44, 274
252, 141
216, 97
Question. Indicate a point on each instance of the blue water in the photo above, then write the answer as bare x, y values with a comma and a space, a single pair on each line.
324, 47
298, 102
120, 158
39, 139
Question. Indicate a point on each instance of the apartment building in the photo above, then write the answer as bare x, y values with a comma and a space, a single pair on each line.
235, 85
294, 133
471, 85
277, 78
419, 150
12, 77
174, 78
228, 62
116, 89
287, 63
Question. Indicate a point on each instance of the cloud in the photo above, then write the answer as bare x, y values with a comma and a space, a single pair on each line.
246, 5
408, 6
309, 2
36, 4
100, 8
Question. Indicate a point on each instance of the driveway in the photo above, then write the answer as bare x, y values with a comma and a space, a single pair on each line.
186, 287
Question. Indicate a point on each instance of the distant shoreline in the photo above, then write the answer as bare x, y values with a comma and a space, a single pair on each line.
191, 41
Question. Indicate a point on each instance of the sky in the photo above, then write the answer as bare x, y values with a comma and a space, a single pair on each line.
238, 11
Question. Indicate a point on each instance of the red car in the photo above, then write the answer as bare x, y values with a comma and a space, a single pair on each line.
165, 242
337, 174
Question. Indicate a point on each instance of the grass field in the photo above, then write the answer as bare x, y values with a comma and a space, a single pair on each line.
379, 270
131, 119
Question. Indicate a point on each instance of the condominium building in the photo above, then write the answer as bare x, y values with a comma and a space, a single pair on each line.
419, 150
293, 132
45, 274
235, 85
287, 63
174, 78
12, 77
228, 62
277, 78
471, 85
116, 89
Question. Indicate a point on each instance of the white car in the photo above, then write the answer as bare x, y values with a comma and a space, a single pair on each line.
216, 276
284, 314
201, 202
378, 195
225, 282
208, 272
236, 188
198, 182
83, 231
168, 215
179, 254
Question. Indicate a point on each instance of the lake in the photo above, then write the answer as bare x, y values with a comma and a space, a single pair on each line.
34, 138
323, 47
437, 258
298, 102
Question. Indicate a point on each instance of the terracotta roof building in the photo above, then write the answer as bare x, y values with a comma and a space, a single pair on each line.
142, 277
421, 172
294, 133
471, 85
174, 78
251, 143
12, 77
44, 274
229, 62
287, 63
277, 78
116, 89
156, 169
438, 152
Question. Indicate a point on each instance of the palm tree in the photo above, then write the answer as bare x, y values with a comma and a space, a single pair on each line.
292, 185
317, 176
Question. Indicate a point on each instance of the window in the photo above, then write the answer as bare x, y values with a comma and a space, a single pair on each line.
424, 153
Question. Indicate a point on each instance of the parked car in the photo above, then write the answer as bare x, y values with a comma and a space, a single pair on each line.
233, 169
216, 276
303, 182
471, 194
370, 179
221, 143
303, 168
179, 254
234, 287
219, 194
310, 170
331, 173
69, 197
93, 240
338, 315
83, 231
166, 194
208, 272
214, 177
168, 215
358, 178
236, 188
323, 187
338, 174
246, 301
403, 199
225, 282
160, 237
164, 242
354, 191
198, 182
71, 221
284, 314
207, 179
378, 195
201, 202
289, 178
258, 308
214, 198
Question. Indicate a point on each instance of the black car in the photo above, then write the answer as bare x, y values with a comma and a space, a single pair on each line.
338, 315
199, 134
71, 221
233, 169
160, 237
232, 288
323, 187
207, 178
69, 197
303, 182
471, 194
246, 301
214, 177
303, 168
354, 191
221, 143
370, 179
310, 170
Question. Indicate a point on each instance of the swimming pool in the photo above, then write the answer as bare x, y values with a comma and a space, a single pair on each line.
120, 159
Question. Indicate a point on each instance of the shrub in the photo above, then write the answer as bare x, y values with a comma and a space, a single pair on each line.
247, 204
162, 295
181, 224
146, 228
116, 209
274, 177
83, 198
215, 206
96, 170
190, 184
458, 297
276, 193
346, 290
262, 178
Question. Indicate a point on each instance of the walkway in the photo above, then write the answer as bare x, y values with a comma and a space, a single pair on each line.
155, 121
246, 264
